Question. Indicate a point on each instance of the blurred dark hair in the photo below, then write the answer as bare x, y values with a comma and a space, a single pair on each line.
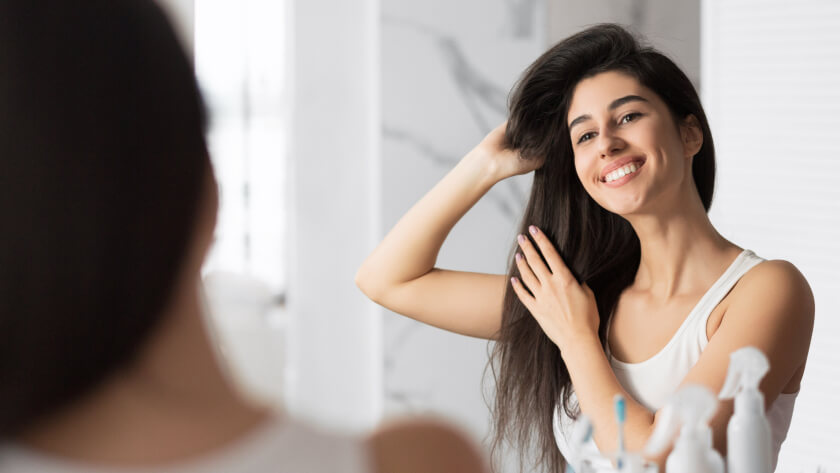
102, 167
599, 247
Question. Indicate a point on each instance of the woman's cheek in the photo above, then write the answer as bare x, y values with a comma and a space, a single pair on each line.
583, 168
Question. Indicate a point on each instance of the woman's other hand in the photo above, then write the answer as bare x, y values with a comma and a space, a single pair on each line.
565, 309
502, 162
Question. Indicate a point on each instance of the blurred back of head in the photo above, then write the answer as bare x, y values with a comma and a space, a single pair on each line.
102, 167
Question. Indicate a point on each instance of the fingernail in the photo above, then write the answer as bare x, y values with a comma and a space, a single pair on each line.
513, 280
520, 238
518, 256
533, 230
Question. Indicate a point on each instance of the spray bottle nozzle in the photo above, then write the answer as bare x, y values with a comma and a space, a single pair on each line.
690, 407
746, 368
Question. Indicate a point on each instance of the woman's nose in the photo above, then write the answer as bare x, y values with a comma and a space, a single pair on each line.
609, 143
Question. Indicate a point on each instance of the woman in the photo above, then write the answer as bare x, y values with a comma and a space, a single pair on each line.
108, 203
620, 284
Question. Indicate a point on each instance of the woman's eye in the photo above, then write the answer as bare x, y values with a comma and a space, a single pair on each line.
629, 117
584, 137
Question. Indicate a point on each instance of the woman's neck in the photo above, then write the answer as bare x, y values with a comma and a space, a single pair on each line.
681, 252
173, 402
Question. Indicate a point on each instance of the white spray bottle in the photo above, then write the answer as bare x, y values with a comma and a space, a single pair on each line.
748, 433
690, 407
580, 435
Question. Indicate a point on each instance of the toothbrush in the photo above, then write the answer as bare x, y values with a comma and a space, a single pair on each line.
620, 415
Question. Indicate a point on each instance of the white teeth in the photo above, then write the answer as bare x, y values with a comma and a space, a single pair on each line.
621, 172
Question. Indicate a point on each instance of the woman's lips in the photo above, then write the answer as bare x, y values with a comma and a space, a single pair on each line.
626, 178
620, 163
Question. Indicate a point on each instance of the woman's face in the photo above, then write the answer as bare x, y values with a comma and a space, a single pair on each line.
630, 155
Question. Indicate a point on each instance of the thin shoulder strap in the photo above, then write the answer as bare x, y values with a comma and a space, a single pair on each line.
743, 263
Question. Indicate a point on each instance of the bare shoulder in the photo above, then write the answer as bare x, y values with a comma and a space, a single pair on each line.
771, 308
774, 298
424, 445
776, 281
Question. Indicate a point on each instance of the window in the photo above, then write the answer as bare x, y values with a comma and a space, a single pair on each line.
240, 61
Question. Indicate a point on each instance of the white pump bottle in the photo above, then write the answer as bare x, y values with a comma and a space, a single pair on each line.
690, 407
748, 433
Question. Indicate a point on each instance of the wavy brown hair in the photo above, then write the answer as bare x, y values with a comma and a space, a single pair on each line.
599, 247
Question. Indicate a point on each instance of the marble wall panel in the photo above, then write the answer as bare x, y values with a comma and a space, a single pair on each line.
447, 68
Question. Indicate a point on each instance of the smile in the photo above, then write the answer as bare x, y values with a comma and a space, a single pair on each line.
623, 174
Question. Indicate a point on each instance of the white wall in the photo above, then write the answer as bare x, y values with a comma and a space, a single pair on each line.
771, 71
334, 335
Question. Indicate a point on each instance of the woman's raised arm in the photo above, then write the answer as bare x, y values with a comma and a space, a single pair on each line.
400, 273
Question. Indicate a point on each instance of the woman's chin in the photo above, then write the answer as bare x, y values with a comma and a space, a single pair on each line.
626, 207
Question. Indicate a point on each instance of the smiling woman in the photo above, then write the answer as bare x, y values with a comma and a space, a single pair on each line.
620, 283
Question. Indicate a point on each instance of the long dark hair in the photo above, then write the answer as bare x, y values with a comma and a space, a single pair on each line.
600, 247
102, 167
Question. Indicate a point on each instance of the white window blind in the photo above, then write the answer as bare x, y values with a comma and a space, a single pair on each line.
771, 86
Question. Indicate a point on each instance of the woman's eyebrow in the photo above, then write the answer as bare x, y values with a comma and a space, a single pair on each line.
613, 105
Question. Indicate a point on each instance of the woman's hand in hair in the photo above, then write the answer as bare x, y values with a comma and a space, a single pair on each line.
498, 159
564, 308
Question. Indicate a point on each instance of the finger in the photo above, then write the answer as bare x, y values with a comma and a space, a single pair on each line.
533, 257
526, 298
555, 262
528, 278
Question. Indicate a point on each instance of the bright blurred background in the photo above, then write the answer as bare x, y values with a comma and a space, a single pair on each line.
331, 118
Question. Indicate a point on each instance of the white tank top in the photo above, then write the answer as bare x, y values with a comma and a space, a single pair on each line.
280, 445
652, 381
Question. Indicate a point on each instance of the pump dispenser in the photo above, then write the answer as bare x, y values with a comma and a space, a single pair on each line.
748, 433
690, 408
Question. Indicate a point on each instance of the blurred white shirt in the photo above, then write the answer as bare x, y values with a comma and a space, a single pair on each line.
279, 445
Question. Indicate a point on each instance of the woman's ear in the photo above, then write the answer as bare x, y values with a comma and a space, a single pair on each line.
691, 134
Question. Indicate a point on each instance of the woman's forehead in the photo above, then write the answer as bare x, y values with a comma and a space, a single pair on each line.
597, 93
